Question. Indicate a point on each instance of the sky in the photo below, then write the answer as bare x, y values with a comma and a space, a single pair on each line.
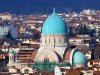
41, 6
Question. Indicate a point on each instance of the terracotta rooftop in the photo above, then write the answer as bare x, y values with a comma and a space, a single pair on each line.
34, 54
67, 55
4, 46
96, 73
62, 69
27, 54
16, 68
96, 60
74, 72
96, 66
77, 31
26, 61
90, 68
73, 45
35, 40
14, 46
82, 38
36, 46
45, 73
88, 60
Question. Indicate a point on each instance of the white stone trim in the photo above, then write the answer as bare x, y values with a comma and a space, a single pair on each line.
49, 51
71, 55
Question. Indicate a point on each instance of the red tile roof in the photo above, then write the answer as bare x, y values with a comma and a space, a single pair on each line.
35, 40
73, 45
96, 73
76, 31
82, 38
88, 60
62, 69
96, 60
34, 54
46, 73
74, 72
16, 68
36, 46
67, 55
4, 46
14, 46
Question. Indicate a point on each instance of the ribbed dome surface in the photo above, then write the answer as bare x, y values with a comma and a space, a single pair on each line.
79, 58
54, 24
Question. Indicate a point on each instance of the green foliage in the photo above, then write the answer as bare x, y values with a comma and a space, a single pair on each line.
83, 30
71, 34
36, 36
1, 43
92, 54
92, 31
9, 35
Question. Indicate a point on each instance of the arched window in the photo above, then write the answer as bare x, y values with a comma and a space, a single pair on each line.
10, 57
49, 40
59, 40
54, 40
64, 40
45, 40
46, 59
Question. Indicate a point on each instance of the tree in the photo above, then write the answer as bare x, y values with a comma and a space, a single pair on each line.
9, 35
92, 32
92, 54
83, 30
71, 34
36, 36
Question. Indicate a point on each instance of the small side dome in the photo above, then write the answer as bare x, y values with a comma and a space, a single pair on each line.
79, 58
11, 51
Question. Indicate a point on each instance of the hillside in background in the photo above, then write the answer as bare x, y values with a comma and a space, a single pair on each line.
41, 6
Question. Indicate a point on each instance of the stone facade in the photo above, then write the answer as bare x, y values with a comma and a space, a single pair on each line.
48, 54
53, 46
54, 40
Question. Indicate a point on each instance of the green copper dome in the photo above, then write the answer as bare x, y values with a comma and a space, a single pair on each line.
54, 24
79, 58
11, 51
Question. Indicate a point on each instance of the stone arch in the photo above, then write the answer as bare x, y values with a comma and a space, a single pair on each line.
53, 49
71, 55
51, 55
